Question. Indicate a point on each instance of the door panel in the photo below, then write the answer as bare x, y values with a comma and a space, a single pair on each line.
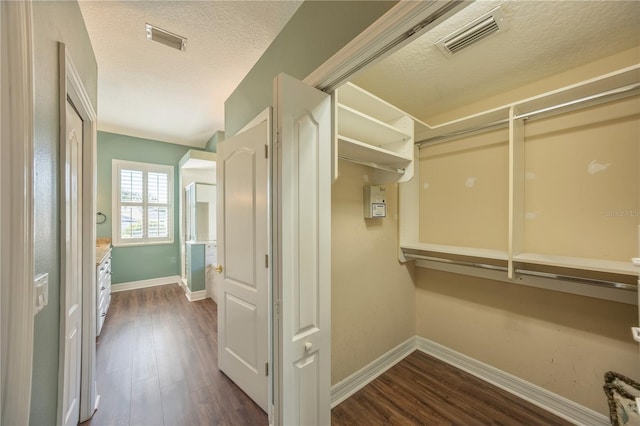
242, 247
72, 270
303, 205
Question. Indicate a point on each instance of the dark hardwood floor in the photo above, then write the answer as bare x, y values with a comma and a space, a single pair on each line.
157, 364
421, 390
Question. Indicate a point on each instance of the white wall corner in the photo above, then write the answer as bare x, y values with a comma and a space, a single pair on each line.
543, 398
134, 285
352, 384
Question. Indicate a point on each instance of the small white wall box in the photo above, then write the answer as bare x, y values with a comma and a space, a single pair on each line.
375, 204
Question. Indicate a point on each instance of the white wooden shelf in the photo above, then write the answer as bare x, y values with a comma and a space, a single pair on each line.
356, 125
451, 129
587, 264
584, 93
354, 149
458, 250
609, 87
370, 131
369, 104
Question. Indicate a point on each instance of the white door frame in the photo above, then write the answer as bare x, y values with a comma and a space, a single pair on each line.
16, 194
71, 85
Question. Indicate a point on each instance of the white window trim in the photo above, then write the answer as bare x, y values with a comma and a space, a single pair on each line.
116, 166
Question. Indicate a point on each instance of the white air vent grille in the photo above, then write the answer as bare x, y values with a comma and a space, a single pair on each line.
477, 30
165, 37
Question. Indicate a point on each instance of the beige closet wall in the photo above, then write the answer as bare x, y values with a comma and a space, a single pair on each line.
372, 294
558, 341
561, 342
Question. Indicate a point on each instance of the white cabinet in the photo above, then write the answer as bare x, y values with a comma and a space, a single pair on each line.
103, 291
372, 132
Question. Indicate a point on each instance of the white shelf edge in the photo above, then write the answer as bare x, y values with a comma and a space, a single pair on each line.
583, 263
436, 130
458, 250
394, 158
398, 135
389, 109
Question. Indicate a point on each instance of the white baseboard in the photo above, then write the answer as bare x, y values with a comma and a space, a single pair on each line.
352, 384
192, 296
547, 400
134, 285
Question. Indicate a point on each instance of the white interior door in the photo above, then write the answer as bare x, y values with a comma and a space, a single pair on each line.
302, 202
243, 247
72, 267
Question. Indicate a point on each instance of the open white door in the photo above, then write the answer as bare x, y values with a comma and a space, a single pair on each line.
243, 247
71, 234
302, 245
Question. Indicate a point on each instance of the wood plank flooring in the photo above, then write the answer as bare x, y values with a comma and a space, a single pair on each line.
421, 390
157, 364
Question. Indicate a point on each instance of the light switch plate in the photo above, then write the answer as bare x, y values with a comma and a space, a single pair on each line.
41, 292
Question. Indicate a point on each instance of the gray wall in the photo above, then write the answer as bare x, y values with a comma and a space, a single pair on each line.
212, 144
315, 32
52, 22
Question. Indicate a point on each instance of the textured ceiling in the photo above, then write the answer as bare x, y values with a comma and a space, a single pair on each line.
148, 90
543, 38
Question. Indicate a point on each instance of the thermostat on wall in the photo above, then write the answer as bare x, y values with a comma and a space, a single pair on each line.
375, 204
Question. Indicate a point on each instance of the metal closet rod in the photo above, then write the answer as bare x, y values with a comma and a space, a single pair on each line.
457, 262
571, 278
528, 115
579, 280
371, 164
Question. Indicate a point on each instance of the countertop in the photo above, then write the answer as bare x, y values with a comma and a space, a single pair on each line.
103, 248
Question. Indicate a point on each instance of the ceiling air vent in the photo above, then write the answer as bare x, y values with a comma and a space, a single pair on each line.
165, 37
477, 30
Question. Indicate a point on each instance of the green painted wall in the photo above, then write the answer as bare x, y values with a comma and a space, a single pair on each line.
196, 275
140, 262
212, 144
53, 21
315, 32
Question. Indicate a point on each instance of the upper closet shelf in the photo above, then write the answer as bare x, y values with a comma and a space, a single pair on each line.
611, 86
599, 265
369, 104
372, 132
423, 249
356, 125
352, 149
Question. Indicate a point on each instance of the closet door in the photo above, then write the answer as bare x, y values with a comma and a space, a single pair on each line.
302, 229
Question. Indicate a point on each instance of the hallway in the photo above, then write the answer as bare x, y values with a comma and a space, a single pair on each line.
157, 364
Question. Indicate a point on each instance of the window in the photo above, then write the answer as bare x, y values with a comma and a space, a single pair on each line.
142, 203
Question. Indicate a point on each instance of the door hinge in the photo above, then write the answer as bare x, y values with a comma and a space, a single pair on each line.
266, 151
266, 368
266, 260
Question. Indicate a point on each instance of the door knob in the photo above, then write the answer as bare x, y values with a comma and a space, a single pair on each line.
308, 346
218, 269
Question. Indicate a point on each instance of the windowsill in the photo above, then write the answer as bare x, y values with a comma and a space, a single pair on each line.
139, 244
